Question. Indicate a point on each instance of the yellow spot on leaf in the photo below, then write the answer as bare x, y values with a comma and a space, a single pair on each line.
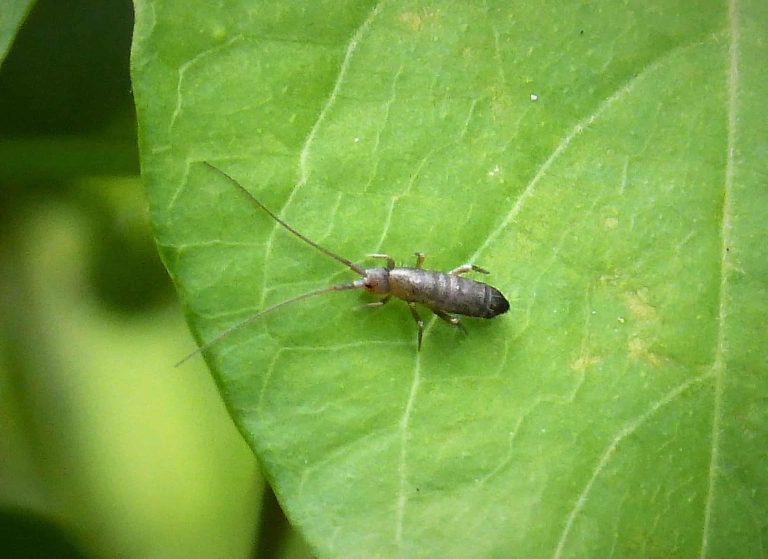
585, 362
637, 303
638, 350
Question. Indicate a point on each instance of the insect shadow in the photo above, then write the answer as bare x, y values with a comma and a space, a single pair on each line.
446, 294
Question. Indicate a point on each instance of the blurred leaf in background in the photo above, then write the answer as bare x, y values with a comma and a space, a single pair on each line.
105, 449
605, 160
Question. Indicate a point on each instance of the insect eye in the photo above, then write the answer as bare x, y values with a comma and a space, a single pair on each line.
372, 283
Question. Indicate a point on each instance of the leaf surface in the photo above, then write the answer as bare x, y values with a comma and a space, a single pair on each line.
604, 161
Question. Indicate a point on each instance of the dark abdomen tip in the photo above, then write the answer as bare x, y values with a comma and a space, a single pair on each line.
498, 304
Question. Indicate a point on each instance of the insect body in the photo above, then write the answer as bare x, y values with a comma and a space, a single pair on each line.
445, 294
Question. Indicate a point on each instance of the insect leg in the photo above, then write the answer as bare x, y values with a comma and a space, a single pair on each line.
419, 322
387, 257
468, 268
419, 259
379, 303
450, 319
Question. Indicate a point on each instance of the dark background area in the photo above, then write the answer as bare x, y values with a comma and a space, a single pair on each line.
106, 449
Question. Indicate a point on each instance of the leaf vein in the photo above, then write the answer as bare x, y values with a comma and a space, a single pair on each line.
402, 497
322, 115
628, 429
718, 367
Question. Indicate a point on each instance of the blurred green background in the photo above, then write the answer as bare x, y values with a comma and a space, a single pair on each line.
106, 449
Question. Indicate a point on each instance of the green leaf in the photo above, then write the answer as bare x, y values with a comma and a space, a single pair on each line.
605, 161
11, 17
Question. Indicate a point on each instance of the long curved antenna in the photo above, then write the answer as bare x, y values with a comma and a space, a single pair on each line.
251, 319
259, 205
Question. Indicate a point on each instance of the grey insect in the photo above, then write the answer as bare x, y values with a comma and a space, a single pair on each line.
445, 294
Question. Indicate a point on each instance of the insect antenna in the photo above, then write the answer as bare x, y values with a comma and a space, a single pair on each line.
352, 266
251, 319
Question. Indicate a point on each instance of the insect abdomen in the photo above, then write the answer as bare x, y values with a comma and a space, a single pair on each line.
447, 292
